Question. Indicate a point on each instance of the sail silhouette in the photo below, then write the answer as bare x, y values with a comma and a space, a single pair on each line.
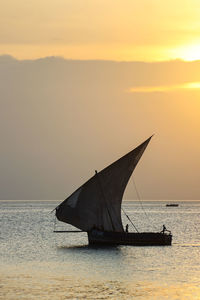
97, 203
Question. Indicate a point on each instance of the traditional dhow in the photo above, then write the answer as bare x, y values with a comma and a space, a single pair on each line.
97, 237
95, 207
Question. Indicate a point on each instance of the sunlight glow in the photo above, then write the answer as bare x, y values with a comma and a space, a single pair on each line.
192, 85
189, 53
153, 89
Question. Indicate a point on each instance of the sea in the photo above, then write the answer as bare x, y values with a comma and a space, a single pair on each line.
37, 263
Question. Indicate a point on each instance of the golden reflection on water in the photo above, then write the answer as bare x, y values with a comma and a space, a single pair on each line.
35, 264
16, 284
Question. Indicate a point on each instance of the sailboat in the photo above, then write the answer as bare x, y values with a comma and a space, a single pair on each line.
95, 207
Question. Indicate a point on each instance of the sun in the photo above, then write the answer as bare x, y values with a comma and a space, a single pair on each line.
189, 53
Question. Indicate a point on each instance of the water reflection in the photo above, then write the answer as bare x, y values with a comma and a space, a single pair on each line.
46, 285
92, 248
44, 265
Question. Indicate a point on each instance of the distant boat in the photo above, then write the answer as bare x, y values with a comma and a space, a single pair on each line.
95, 207
172, 205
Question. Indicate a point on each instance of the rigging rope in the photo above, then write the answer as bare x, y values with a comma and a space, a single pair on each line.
139, 198
129, 220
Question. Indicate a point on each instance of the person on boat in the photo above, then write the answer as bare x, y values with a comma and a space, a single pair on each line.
126, 227
164, 229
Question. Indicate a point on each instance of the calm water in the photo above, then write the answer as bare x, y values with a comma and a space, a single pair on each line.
36, 263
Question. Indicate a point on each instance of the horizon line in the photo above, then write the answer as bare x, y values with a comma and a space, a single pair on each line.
135, 200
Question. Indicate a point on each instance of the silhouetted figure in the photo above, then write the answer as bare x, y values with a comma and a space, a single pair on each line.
164, 229
126, 227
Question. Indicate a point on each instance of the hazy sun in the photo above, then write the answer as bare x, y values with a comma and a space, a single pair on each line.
190, 53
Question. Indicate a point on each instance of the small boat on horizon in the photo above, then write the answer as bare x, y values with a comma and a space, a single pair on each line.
172, 205
95, 207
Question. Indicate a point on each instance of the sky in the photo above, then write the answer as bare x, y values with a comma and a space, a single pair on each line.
145, 30
84, 82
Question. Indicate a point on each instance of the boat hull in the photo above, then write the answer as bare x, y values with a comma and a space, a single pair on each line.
97, 237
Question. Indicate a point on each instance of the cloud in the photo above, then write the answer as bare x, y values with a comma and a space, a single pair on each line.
7, 59
165, 88
62, 119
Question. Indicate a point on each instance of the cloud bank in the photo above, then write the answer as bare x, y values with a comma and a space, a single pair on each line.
62, 119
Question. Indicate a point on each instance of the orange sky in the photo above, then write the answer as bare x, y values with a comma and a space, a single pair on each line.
145, 30
63, 118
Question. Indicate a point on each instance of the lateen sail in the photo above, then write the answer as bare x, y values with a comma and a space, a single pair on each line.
97, 203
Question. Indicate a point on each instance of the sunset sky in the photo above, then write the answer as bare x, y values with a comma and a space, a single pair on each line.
84, 82
145, 30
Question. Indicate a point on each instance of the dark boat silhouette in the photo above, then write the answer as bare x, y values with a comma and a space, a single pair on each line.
172, 205
95, 207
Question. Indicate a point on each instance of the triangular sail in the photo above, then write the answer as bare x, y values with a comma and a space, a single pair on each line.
97, 203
